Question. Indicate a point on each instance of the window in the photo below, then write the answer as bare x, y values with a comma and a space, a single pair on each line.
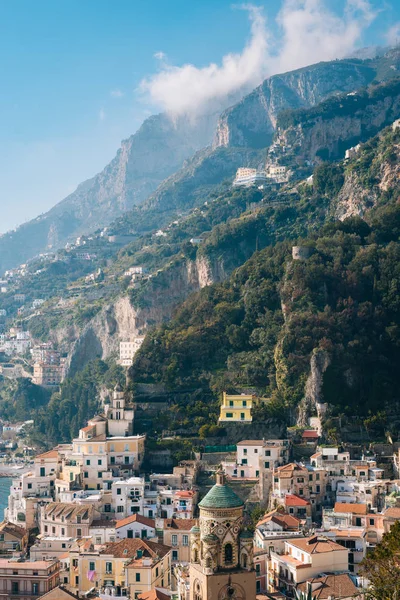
268, 453
1, 537
244, 403
112, 460
229, 415
228, 553
63, 545
317, 477
245, 451
120, 509
119, 491
174, 554
242, 416
372, 521
99, 461
29, 486
76, 580
86, 475
79, 532
112, 448
107, 508
266, 465
108, 567
358, 521
255, 450
257, 473
14, 587
156, 571
137, 576
258, 568
126, 460
100, 474
174, 540
42, 471
88, 461
35, 588
244, 561
230, 402
126, 448
301, 491
92, 566
244, 461
310, 478
318, 489
185, 540
62, 531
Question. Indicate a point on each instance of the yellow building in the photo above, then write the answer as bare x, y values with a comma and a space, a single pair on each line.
135, 565
236, 408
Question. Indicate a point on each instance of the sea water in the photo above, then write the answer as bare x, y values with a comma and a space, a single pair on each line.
5, 483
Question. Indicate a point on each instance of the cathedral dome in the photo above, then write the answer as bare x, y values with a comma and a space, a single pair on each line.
221, 496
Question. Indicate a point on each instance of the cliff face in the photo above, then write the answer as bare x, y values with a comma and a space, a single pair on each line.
121, 320
252, 121
326, 131
156, 150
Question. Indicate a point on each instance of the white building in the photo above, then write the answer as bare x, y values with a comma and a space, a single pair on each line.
246, 177
128, 349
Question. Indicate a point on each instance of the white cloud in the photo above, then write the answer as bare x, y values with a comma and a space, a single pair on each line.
116, 93
308, 32
393, 35
160, 55
102, 114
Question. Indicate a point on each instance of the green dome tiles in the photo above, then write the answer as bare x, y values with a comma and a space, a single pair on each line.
221, 496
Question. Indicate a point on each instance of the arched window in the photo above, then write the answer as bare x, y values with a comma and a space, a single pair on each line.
208, 562
228, 554
196, 555
244, 561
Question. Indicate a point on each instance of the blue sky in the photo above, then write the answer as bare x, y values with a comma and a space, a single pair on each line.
72, 74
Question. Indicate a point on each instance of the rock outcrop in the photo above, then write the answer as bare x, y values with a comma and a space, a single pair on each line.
252, 121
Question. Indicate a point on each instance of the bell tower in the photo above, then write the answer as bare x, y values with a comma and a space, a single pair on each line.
221, 565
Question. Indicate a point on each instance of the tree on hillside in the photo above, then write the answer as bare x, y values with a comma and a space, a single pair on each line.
382, 567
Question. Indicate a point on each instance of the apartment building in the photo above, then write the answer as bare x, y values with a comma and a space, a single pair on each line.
28, 580
176, 534
135, 526
134, 565
60, 519
304, 559
128, 349
236, 408
12, 537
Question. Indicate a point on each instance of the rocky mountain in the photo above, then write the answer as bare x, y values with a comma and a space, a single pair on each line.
160, 147
155, 151
252, 121
327, 130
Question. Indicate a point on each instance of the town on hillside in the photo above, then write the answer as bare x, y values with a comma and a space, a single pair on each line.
90, 519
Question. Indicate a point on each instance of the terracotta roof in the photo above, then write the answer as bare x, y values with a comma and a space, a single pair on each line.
88, 428
251, 443
317, 544
154, 595
310, 434
128, 548
11, 529
182, 524
103, 523
331, 585
49, 454
316, 455
287, 471
354, 509
281, 518
293, 500
393, 513
69, 510
136, 519
58, 593
184, 493
348, 533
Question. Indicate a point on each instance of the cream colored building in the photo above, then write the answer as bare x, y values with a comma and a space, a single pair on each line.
29, 579
222, 563
176, 534
304, 559
135, 565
